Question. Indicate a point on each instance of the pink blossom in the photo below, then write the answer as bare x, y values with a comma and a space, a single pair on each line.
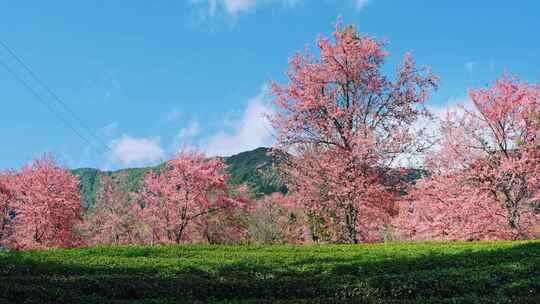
345, 125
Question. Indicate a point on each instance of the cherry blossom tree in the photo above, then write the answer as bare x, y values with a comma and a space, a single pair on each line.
47, 206
276, 218
449, 208
345, 124
114, 218
486, 173
5, 200
227, 227
177, 198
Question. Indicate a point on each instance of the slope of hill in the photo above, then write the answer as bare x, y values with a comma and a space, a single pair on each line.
88, 184
253, 168
247, 167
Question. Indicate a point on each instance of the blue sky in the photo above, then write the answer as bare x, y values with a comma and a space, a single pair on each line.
151, 76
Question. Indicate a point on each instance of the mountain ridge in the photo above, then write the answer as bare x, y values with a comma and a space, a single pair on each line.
253, 168
246, 167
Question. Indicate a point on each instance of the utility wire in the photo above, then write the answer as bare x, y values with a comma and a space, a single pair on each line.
38, 97
56, 97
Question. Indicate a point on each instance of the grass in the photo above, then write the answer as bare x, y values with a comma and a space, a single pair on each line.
484, 272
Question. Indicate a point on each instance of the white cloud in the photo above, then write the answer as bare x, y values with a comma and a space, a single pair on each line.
233, 8
360, 4
455, 105
248, 130
251, 131
190, 131
131, 151
185, 136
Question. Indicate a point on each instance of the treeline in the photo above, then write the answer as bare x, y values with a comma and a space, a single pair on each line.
187, 200
344, 130
250, 168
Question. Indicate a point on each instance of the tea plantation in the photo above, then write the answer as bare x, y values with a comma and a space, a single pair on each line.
484, 272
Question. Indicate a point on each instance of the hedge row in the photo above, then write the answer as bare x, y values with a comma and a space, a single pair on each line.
485, 272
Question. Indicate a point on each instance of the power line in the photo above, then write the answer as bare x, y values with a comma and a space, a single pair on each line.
38, 97
55, 96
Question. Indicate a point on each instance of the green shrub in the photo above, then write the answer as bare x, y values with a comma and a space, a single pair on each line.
485, 272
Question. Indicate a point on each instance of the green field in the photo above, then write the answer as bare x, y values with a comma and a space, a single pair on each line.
485, 272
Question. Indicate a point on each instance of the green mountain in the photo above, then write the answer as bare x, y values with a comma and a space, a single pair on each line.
253, 168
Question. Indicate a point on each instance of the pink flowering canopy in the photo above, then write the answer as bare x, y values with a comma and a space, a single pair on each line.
345, 123
343, 100
276, 218
180, 195
486, 171
5, 200
47, 206
114, 218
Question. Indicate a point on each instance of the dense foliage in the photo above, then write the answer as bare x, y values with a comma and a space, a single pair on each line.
90, 181
179, 201
484, 272
250, 167
254, 168
485, 172
345, 125
347, 133
41, 207
114, 217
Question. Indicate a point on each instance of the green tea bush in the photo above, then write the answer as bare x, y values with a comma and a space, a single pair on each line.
485, 272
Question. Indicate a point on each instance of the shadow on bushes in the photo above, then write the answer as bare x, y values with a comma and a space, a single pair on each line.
506, 275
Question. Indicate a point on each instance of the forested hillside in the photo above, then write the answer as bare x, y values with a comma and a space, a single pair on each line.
253, 168
250, 167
